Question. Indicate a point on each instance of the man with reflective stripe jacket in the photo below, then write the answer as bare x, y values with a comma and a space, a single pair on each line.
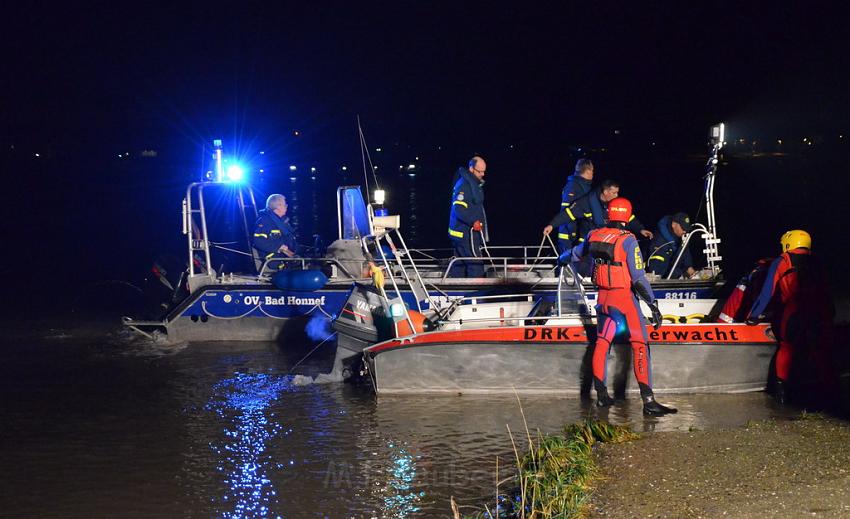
273, 235
665, 247
578, 184
467, 220
589, 212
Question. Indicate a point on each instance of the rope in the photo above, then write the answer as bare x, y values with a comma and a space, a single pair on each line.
326, 339
539, 252
204, 308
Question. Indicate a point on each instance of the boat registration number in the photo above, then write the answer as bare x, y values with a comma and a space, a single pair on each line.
680, 295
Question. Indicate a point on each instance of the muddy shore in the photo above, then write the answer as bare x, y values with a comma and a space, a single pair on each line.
776, 468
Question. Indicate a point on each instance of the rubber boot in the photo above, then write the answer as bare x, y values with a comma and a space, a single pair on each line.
651, 407
603, 399
779, 392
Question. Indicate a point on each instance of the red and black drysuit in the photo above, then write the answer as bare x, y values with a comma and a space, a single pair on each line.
618, 274
740, 301
796, 282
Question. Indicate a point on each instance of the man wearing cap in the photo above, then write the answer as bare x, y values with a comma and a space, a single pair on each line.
666, 245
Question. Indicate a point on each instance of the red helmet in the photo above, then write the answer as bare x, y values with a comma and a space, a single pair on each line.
619, 210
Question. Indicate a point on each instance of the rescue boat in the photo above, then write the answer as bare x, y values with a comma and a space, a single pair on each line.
686, 358
240, 300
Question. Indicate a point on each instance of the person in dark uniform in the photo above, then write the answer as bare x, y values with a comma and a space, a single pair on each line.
468, 221
273, 234
666, 245
589, 212
796, 283
578, 184
619, 276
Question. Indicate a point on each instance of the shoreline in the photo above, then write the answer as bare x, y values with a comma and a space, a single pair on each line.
772, 468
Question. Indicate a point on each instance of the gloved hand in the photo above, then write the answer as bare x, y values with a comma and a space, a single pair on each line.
657, 318
477, 225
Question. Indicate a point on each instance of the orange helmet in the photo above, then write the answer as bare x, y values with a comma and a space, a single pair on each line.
619, 210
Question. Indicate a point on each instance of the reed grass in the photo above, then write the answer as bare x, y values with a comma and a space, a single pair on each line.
554, 477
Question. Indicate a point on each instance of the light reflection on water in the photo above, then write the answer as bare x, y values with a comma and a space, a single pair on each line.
243, 401
401, 498
219, 430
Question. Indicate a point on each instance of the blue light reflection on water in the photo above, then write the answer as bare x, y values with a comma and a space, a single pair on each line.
243, 401
401, 499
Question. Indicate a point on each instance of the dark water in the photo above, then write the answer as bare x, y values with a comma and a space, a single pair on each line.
97, 423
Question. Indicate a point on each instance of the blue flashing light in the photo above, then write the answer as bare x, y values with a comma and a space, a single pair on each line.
235, 173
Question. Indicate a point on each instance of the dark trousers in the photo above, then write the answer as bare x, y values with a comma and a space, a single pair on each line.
463, 248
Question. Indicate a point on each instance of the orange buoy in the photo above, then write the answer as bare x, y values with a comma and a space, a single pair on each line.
419, 324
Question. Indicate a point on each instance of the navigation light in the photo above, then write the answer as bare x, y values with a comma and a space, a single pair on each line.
380, 196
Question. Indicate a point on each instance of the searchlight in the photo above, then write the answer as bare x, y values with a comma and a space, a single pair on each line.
718, 135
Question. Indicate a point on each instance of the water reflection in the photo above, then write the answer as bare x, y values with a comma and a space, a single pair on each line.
243, 401
400, 497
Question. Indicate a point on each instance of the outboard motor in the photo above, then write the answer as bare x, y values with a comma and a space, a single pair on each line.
364, 320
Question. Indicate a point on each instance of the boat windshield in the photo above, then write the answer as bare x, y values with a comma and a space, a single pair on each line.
354, 217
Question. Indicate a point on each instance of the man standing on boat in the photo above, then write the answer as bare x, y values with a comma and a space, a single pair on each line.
586, 213
666, 245
578, 184
797, 284
468, 221
619, 276
273, 234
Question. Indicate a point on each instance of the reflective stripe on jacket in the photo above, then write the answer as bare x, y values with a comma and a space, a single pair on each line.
467, 205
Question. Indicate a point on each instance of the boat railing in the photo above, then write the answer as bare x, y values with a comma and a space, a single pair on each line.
505, 264
267, 271
518, 320
523, 251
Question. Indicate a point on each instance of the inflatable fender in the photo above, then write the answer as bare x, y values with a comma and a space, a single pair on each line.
300, 279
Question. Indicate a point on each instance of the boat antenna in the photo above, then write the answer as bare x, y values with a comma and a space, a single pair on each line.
364, 155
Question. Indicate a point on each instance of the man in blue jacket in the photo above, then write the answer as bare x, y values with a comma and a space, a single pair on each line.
578, 184
273, 234
589, 212
666, 245
468, 221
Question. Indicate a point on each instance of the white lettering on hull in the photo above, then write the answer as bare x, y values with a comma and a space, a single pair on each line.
285, 300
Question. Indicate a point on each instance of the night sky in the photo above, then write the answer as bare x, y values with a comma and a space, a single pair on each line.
469, 74
81, 84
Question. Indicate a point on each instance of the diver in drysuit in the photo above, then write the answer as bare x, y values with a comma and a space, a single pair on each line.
796, 283
618, 273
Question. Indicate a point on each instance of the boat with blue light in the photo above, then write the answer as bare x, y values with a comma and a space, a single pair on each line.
246, 299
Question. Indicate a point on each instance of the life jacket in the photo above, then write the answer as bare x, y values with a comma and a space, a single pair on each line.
610, 267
